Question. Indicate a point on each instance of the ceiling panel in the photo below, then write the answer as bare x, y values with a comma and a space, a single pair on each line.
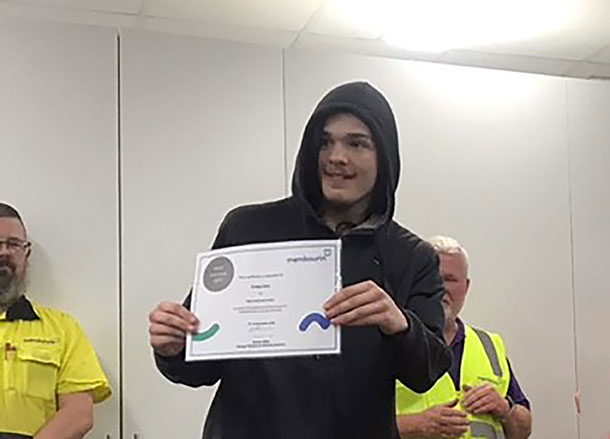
568, 44
16, 10
589, 70
121, 6
579, 44
581, 32
348, 18
359, 46
252, 35
603, 56
267, 14
507, 62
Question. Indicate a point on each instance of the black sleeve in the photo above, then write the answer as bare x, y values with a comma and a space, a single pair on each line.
197, 373
420, 355
426, 290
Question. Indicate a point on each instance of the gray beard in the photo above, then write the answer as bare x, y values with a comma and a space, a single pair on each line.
11, 288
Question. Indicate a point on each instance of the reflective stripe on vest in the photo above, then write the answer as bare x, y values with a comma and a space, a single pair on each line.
483, 361
490, 350
484, 430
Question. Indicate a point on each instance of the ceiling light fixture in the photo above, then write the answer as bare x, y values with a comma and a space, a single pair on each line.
440, 25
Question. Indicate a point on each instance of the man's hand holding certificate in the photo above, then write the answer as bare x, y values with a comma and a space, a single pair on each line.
265, 300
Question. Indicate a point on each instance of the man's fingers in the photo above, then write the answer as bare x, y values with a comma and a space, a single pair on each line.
371, 319
470, 391
456, 431
448, 423
156, 329
351, 303
487, 407
178, 310
348, 292
480, 396
449, 413
359, 313
481, 390
459, 431
491, 402
474, 394
172, 320
476, 405
453, 431
454, 420
457, 423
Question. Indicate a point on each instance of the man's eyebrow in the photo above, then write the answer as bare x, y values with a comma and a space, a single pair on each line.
352, 135
359, 135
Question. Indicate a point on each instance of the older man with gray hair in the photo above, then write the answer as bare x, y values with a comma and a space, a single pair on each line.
479, 397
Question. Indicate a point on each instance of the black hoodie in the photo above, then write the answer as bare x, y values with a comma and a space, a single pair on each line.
350, 395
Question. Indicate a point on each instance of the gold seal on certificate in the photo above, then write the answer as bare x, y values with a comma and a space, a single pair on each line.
265, 300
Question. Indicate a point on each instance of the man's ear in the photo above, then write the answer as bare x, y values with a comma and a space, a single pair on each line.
467, 284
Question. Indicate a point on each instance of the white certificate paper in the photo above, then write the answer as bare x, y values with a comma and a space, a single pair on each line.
265, 300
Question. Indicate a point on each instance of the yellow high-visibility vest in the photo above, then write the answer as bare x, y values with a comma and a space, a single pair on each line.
483, 361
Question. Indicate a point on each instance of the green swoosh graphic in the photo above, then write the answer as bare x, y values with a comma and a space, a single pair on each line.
208, 333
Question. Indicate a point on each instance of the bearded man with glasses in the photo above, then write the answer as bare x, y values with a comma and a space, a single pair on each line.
50, 376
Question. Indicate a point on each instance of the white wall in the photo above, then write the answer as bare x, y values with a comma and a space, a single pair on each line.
485, 161
485, 158
203, 132
58, 167
503, 173
589, 117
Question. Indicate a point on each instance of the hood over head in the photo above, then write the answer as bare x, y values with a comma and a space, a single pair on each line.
368, 104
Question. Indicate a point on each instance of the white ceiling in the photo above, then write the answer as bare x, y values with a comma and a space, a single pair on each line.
578, 47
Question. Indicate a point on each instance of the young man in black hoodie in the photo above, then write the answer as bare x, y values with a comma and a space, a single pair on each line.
344, 183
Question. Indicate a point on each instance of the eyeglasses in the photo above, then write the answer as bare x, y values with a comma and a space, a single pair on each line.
14, 246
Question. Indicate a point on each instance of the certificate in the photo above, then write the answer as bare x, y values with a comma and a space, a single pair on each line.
265, 300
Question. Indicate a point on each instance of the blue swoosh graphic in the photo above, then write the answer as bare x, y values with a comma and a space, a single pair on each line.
322, 321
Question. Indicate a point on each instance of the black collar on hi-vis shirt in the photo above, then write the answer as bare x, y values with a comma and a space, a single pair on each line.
22, 309
14, 436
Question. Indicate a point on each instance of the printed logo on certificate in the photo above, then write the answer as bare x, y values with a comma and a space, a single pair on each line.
265, 300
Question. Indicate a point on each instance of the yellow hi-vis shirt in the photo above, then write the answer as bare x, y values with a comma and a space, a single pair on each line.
43, 353
483, 361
